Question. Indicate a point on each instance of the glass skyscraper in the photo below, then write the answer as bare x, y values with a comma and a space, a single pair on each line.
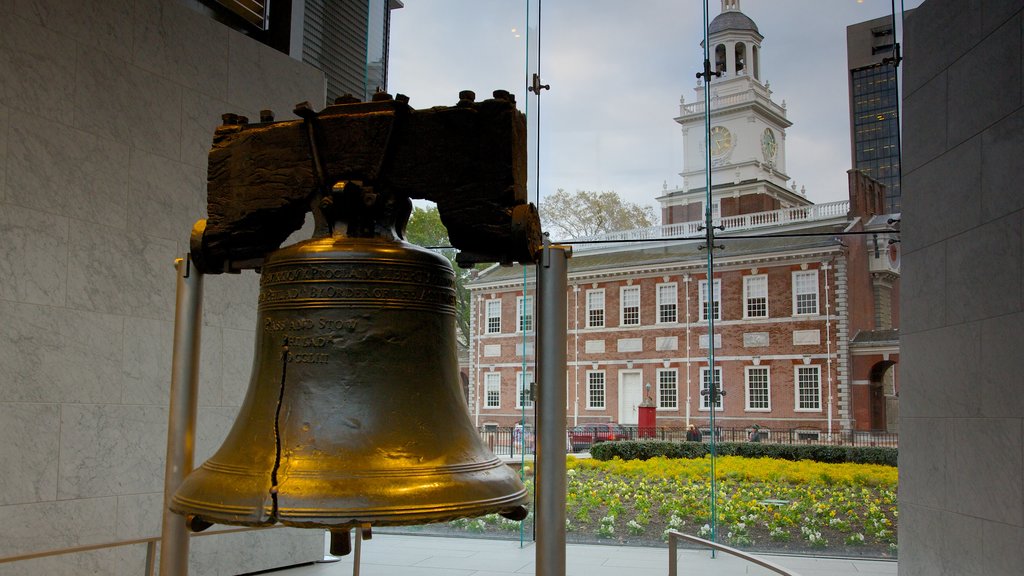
874, 104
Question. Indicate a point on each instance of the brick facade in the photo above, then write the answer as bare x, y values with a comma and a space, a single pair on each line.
836, 348
656, 353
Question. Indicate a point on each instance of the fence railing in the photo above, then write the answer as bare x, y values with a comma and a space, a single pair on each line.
791, 215
512, 441
673, 554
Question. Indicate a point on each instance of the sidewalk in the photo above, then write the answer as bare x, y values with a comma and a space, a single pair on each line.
395, 555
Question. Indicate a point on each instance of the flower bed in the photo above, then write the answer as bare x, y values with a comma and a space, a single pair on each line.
763, 504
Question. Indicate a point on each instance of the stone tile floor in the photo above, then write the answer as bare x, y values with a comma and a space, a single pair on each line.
400, 555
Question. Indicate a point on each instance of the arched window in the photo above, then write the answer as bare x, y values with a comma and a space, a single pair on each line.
755, 56
720, 58
741, 57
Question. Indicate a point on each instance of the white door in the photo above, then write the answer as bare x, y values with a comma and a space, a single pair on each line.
631, 394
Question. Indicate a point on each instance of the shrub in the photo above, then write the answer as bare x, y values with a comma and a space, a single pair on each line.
647, 449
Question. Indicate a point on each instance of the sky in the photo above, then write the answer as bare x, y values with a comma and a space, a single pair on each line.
616, 71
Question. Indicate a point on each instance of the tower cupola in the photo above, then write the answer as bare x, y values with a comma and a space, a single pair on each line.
735, 42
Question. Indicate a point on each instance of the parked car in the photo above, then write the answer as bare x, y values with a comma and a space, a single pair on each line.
584, 436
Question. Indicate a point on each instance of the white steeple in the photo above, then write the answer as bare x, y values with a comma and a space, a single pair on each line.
747, 139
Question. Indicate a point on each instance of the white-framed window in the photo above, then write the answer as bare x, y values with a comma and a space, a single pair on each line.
524, 314
595, 308
492, 390
629, 306
808, 388
705, 389
758, 385
668, 388
524, 390
716, 296
716, 208
668, 306
805, 292
493, 309
755, 296
595, 390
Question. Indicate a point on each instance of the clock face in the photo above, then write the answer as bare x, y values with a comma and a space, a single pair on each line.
721, 141
769, 147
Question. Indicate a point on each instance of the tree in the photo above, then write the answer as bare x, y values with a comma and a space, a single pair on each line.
586, 213
425, 229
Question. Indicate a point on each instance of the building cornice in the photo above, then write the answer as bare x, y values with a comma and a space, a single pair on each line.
690, 266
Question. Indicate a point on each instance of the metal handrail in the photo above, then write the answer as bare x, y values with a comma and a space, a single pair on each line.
673, 558
149, 542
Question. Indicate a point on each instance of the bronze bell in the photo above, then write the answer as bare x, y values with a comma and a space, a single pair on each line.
354, 414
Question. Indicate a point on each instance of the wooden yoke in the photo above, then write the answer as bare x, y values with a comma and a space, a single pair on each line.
356, 166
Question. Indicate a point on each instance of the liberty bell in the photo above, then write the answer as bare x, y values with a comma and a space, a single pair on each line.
354, 413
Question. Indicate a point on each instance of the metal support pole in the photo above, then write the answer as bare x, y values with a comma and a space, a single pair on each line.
181, 426
551, 402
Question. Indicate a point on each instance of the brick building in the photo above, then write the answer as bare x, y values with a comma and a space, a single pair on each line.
805, 333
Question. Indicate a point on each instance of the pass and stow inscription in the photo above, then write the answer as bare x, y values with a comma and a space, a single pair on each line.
341, 282
312, 339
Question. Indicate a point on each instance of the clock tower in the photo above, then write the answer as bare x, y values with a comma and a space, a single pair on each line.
748, 132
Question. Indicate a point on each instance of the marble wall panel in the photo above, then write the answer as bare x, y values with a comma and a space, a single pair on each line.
979, 488
211, 366
162, 195
238, 553
52, 525
260, 77
941, 35
921, 547
105, 26
118, 101
30, 439
924, 123
3, 149
58, 169
212, 426
1001, 548
165, 43
1002, 145
922, 467
945, 179
995, 13
59, 355
147, 361
970, 82
230, 300
37, 67
123, 561
962, 546
33, 256
1001, 366
939, 371
983, 271
108, 450
201, 114
139, 515
239, 348
119, 272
